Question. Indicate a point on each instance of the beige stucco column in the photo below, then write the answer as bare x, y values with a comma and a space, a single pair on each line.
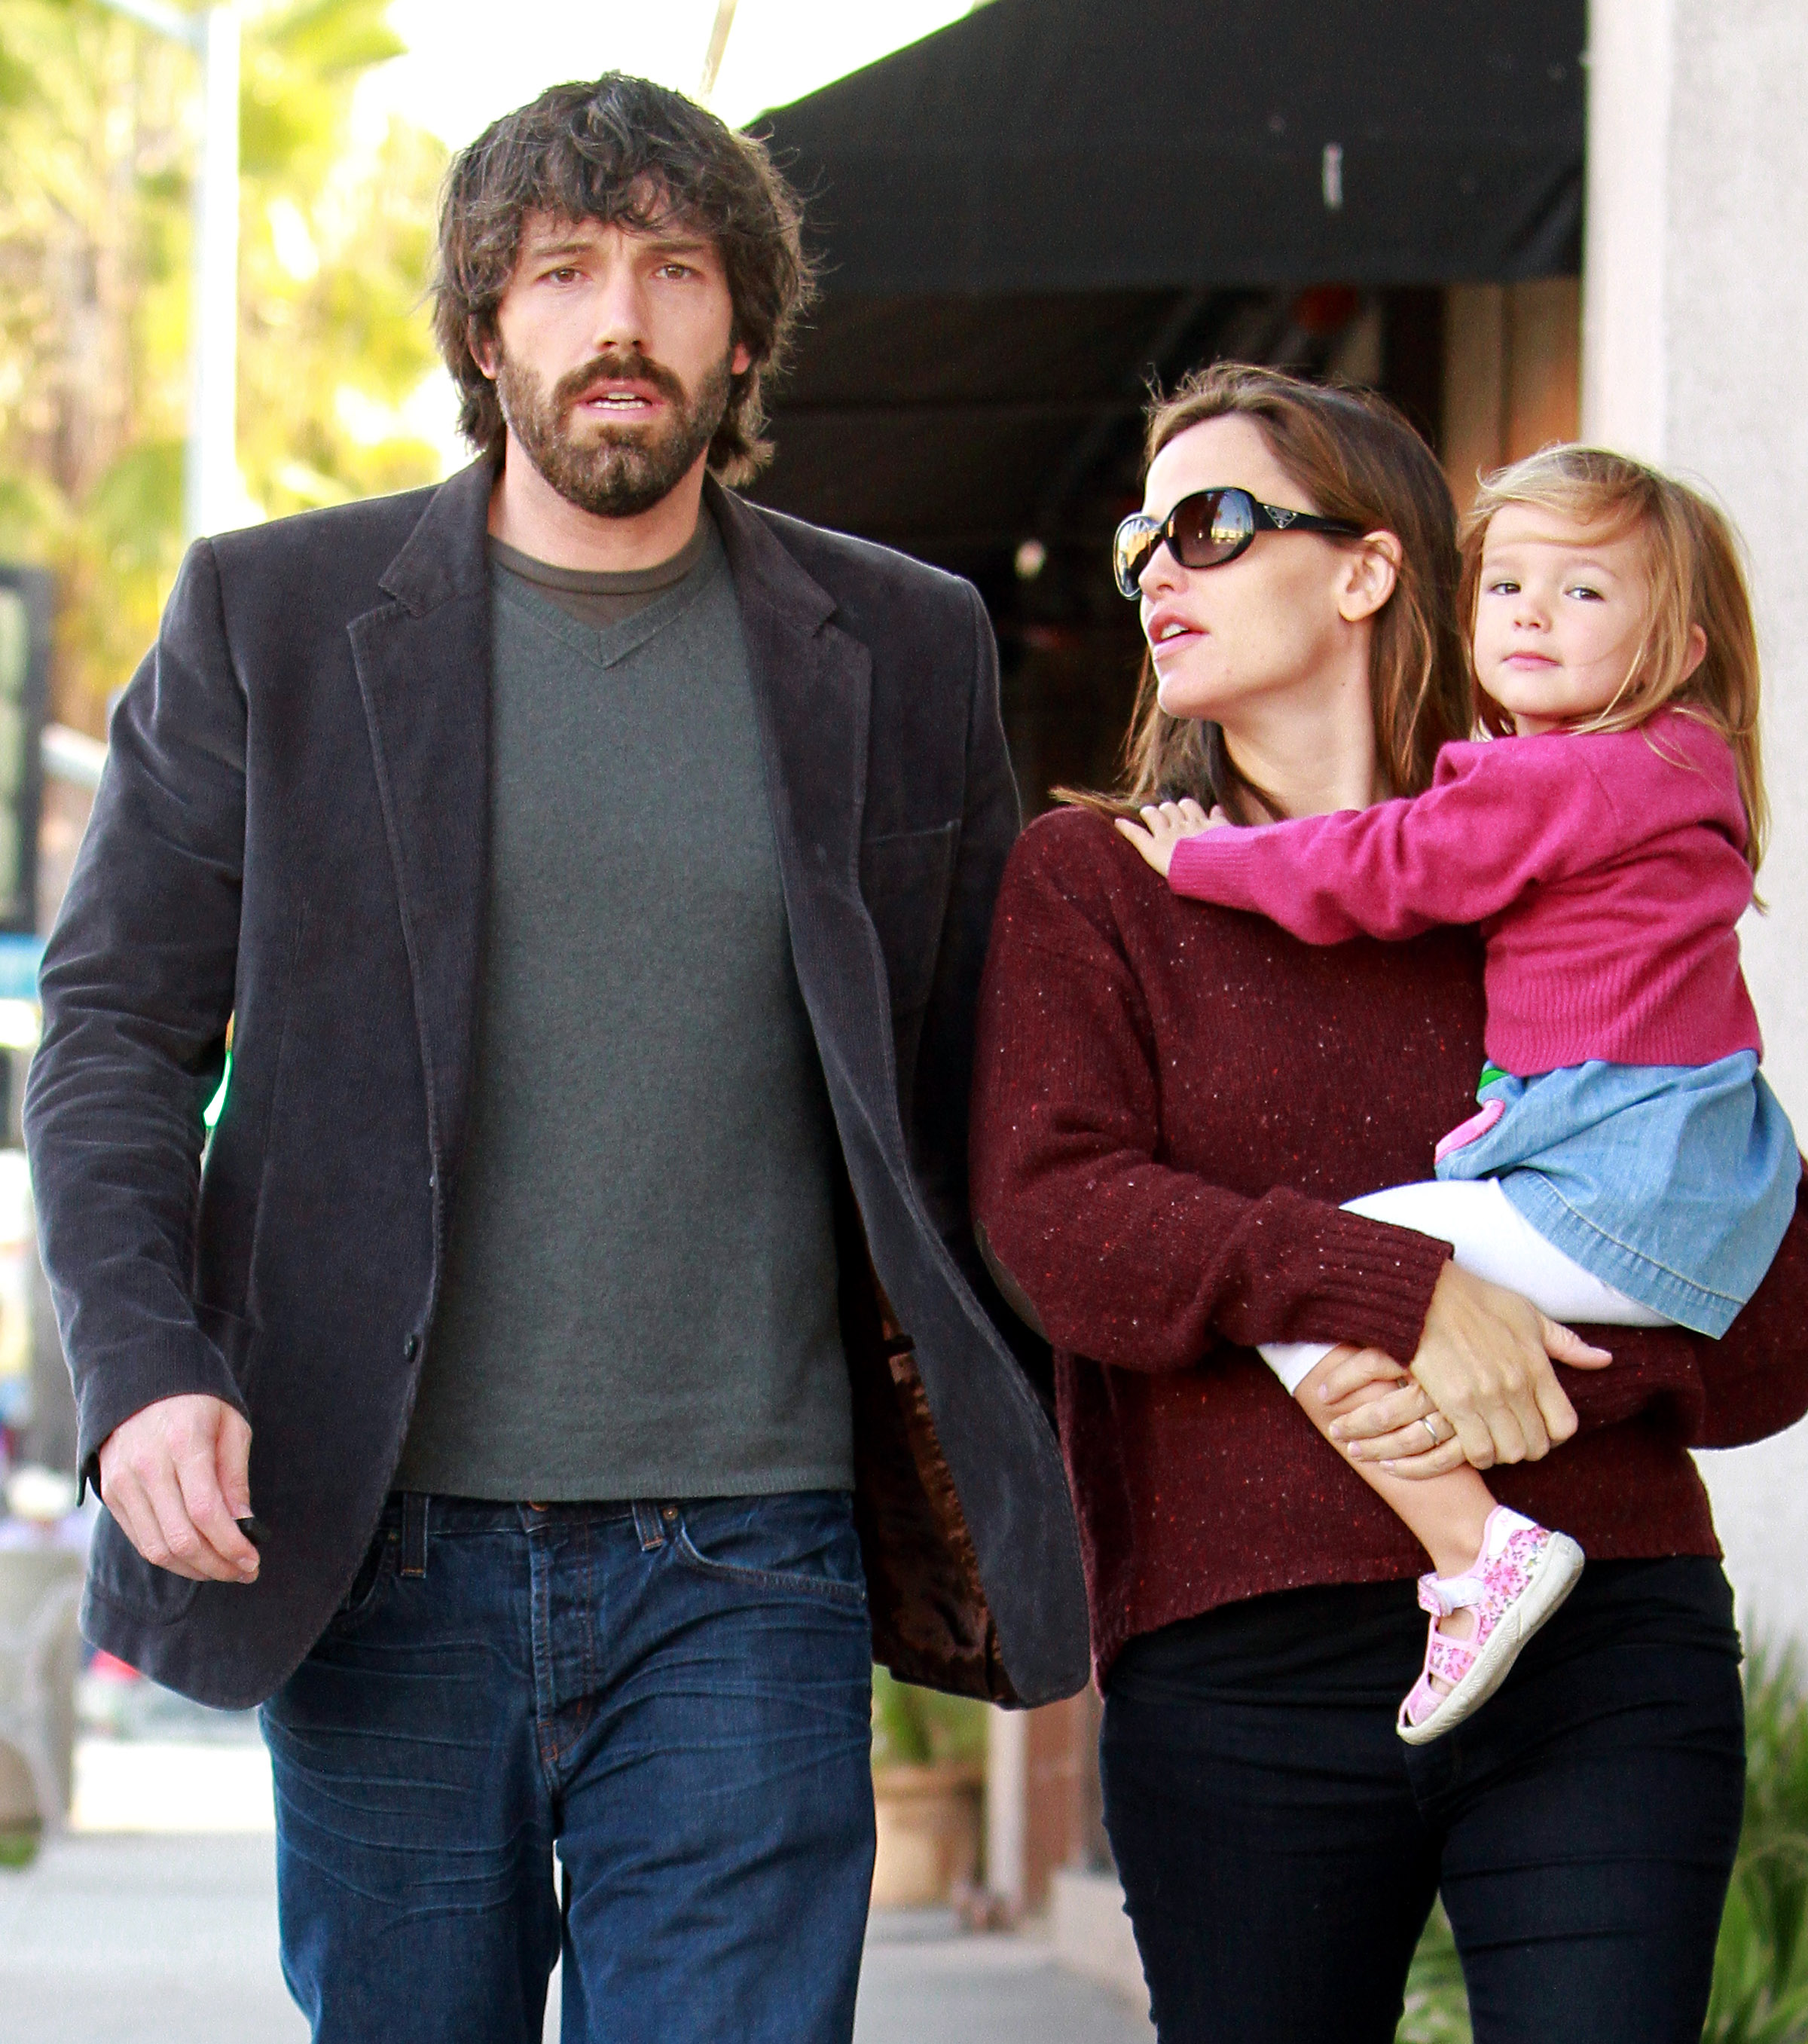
1695, 356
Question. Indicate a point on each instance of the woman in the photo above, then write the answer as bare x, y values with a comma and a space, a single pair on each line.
1172, 1102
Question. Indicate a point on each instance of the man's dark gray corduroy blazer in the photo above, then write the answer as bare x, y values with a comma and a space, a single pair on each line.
290, 835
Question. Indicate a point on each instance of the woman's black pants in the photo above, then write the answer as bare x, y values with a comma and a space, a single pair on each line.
1281, 1847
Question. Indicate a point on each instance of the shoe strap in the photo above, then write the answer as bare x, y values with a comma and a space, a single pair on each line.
1440, 1596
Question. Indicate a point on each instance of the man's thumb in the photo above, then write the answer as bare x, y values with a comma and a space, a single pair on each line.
232, 1461
1562, 1344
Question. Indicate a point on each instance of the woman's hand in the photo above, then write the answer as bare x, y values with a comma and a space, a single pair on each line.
1397, 1426
1164, 824
1481, 1383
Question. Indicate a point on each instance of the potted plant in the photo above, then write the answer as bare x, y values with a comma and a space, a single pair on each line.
928, 1784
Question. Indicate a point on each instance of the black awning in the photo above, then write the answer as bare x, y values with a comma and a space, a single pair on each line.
1125, 145
955, 425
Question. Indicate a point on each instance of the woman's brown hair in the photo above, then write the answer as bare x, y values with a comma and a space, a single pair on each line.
1354, 457
1696, 577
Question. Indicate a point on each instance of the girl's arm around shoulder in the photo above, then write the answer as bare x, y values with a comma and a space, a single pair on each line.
1499, 817
1124, 1257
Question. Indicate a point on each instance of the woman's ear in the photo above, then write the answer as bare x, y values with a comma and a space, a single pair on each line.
1372, 568
1697, 650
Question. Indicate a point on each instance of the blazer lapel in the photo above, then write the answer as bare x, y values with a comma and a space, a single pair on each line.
812, 687
812, 691
423, 662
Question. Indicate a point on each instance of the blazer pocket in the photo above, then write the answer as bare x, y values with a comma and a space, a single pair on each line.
905, 880
120, 1576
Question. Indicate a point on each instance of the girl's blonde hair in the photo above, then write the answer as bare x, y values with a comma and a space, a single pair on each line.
1354, 457
1697, 577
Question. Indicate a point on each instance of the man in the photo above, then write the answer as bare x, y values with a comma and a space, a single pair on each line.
595, 872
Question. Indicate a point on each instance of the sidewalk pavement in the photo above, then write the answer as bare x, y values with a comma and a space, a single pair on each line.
135, 1939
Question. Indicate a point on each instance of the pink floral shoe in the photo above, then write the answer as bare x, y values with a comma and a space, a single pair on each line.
1522, 1574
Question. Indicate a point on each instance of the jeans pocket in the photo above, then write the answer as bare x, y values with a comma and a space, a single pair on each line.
802, 1543
375, 1572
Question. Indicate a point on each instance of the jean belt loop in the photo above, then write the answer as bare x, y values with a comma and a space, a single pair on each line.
414, 1533
648, 1524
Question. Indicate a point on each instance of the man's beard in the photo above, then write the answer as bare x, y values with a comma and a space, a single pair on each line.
619, 472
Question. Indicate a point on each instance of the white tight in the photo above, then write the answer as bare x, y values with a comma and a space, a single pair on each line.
1492, 1240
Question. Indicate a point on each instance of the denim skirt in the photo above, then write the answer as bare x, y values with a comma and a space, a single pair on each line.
1674, 1183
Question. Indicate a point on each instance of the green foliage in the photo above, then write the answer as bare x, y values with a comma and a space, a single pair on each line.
98, 117
1761, 1962
1437, 2007
19, 1846
299, 67
913, 1727
136, 505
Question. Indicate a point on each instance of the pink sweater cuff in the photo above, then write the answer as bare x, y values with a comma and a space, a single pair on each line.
1215, 866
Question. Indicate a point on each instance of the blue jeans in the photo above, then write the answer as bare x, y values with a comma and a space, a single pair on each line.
677, 1695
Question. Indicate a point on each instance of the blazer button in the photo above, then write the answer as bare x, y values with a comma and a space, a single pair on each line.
410, 1347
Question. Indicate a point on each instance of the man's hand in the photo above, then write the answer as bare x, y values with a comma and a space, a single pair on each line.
1164, 824
1484, 1366
176, 1476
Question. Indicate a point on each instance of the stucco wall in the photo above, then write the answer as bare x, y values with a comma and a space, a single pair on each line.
1695, 355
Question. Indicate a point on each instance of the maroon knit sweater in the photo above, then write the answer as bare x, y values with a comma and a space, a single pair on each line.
1170, 1100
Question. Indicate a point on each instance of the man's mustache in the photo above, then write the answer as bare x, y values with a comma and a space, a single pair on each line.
633, 367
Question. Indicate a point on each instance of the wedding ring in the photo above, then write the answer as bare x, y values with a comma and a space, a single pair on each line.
1436, 1439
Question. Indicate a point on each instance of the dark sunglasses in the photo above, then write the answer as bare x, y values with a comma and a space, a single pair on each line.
1206, 529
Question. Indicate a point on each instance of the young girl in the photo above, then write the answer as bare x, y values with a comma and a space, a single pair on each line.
1629, 1165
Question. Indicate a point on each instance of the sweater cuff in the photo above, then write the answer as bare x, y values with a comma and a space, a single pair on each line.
1372, 1285
1215, 865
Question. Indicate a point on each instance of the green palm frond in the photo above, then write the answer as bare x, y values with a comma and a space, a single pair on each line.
97, 163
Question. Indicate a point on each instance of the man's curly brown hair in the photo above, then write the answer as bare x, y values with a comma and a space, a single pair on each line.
634, 155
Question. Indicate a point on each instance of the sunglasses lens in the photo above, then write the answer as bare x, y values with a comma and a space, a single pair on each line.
1212, 527
1130, 549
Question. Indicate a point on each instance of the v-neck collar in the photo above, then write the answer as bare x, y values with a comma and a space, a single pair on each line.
612, 645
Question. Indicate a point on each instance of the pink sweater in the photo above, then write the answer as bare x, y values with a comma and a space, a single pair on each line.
1607, 871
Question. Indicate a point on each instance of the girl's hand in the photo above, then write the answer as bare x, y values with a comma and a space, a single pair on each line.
1164, 824
1483, 1365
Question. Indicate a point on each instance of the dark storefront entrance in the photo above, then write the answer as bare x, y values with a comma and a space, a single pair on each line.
1027, 217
